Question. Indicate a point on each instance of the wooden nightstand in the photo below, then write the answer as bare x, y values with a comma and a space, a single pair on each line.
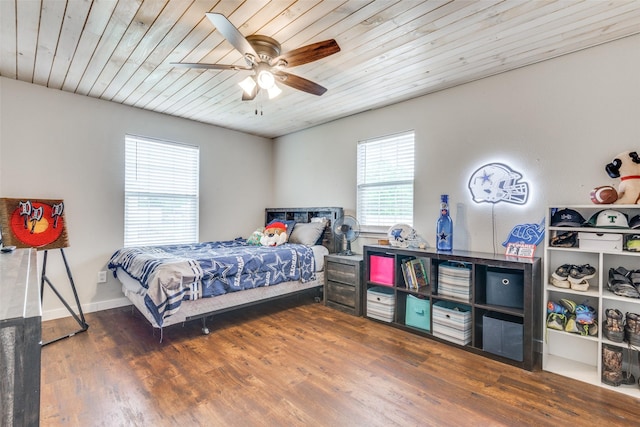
342, 283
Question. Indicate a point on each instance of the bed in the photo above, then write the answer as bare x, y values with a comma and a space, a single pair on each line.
174, 284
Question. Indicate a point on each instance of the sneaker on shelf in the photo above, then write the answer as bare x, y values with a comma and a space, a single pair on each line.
633, 243
569, 305
562, 272
567, 239
581, 286
585, 314
560, 283
556, 321
554, 307
581, 272
574, 327
620, 284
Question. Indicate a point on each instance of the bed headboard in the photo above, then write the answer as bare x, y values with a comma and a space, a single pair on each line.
304, 215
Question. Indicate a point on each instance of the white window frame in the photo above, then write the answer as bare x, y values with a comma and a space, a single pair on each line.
385, 181
161, 192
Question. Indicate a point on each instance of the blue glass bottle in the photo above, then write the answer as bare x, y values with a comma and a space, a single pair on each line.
444, 226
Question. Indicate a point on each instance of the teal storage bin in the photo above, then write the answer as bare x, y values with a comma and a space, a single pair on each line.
418, 313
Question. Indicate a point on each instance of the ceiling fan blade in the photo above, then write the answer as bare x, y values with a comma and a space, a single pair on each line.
309, 53
300, 83
231, 33
210, 66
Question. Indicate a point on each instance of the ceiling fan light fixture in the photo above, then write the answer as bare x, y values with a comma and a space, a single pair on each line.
248, 85
274, 91
266, 79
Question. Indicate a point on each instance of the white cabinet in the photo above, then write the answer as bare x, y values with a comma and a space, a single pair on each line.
580, 356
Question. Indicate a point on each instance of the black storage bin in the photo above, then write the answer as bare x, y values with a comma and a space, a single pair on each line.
502, 335
505, 287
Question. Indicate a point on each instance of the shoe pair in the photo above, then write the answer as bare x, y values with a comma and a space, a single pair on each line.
567, 239
623, 282
573, 276
566, 315
574, 326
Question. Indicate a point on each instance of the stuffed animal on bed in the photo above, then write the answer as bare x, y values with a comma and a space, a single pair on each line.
255, 237
625, 166
275, 234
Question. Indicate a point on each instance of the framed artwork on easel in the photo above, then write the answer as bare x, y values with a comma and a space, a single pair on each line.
40, 224
33, 223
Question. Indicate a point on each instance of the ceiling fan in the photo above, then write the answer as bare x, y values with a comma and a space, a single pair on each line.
263, 56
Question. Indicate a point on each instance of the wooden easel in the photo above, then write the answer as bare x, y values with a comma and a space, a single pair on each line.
78, 317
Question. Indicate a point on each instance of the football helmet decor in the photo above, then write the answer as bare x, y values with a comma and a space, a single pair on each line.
497, 182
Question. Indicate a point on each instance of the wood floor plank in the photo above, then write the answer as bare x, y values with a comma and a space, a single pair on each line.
297, 363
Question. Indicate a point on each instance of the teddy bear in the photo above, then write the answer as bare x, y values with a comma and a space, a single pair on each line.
274, 234
626, 166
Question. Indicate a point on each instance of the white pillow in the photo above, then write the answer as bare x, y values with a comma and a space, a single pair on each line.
320, 219
306, 233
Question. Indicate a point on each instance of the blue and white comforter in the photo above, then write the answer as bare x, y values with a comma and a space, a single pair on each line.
173, 273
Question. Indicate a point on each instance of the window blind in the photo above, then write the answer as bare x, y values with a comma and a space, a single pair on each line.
385, 181
161, 192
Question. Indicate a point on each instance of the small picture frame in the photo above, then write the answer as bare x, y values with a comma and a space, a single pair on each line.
521, 250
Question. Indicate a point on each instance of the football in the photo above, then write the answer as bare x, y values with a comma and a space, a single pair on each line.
604, 195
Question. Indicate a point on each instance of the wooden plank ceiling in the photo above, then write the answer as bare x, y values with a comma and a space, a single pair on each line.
391, 50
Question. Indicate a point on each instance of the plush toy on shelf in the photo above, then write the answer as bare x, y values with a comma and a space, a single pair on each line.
625, 166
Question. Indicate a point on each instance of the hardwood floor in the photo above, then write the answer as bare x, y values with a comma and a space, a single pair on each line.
294, 363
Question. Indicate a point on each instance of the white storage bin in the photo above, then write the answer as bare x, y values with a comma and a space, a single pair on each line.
452, 322
454, 280
600, 241
380, 303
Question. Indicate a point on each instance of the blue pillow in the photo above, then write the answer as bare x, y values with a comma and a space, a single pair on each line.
288, 222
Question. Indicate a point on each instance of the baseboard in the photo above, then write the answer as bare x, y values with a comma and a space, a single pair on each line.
86, 308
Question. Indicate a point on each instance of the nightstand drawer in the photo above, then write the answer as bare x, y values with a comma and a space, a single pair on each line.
343, 273
341, 293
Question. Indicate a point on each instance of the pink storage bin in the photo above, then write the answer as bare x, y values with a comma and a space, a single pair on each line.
381, 270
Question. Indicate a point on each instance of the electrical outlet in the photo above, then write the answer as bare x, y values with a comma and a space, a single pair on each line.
102, 277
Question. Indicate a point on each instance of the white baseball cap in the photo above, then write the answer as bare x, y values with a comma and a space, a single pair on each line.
610, 218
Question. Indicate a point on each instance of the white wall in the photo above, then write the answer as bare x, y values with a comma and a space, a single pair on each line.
558, 122
55, 144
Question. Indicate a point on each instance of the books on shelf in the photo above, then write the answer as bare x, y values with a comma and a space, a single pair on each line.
415, 274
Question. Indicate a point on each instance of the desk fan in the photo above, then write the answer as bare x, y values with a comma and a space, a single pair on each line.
347, 228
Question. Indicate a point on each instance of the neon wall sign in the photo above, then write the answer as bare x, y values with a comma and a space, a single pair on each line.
497, 182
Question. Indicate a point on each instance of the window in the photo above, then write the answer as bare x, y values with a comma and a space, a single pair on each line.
161, 192
385, 181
